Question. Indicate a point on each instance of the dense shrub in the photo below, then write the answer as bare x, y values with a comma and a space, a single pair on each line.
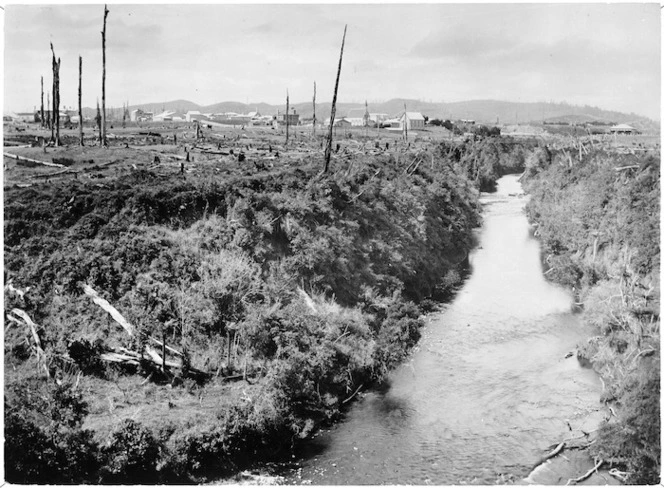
44, 441
217, 268
598, 218
131, 455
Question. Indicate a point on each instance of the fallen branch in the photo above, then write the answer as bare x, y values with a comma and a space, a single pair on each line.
117, 316
355, 393
33, 328
634, 166
33, 161
621, 475
587, 475
307, 300
32, 325
553, 453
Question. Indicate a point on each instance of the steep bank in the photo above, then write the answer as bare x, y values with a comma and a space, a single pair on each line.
598, 218
283, 292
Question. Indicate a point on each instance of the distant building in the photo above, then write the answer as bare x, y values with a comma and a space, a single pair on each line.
623, 129
36, 117
139, 115
413, 120
391, 123
342, 122
165, 116
377, 118
293, 119
358, 117
193, 115
25, 117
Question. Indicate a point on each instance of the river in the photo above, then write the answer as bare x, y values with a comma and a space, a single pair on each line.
489, 388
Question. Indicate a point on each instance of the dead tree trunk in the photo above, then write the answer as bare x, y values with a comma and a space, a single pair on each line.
405, 123
314, 123
98, 121
328, 148
287, 118
80, 94
41, 118
50, 113
103, 80
56, 98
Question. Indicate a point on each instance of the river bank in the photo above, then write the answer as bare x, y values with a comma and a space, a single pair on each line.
597, 216
210, 320
488, 388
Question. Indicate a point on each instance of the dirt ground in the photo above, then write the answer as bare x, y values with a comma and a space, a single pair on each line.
173, 148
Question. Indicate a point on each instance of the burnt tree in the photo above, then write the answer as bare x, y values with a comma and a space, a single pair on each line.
102, 136
56, 99
314, 122
287, 118
328, 148
80, 106
41, 113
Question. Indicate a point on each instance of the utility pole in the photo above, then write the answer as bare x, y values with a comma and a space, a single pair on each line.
80, 93
103, 81
328, 148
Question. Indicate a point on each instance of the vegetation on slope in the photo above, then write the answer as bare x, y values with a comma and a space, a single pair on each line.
598, 218
305, 286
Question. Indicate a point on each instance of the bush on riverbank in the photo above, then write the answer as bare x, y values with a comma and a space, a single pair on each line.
598, 219
302, 285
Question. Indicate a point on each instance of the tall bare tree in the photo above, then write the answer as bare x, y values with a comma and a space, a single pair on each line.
80, 94
287, 117
56, 98
98, 121
41, 114
314, 123
328, 148
103, 80
405, 123
50, 113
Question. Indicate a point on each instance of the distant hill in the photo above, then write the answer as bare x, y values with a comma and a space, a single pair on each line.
482, 111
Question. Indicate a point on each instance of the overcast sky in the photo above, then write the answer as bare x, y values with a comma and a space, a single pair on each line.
606, 55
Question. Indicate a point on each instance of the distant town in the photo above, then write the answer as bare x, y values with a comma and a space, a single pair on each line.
354, 117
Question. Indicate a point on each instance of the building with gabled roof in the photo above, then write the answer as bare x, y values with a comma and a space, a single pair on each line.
623, 129
413, 120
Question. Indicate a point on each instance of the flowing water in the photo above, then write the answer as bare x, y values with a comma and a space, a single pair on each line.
489, 387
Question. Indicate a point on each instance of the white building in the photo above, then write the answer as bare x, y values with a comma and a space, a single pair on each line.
413, 120
623, 129
195, 115
377, 118
167, 115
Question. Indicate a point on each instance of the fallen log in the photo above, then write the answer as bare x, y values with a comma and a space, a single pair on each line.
152, 354
585, 476
57, 173
167, 347
33, 328
553, 453
117, 316
33, 161
353, 395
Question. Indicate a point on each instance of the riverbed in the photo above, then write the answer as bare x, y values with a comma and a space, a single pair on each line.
490, 387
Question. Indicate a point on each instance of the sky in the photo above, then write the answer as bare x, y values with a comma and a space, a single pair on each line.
605, 55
